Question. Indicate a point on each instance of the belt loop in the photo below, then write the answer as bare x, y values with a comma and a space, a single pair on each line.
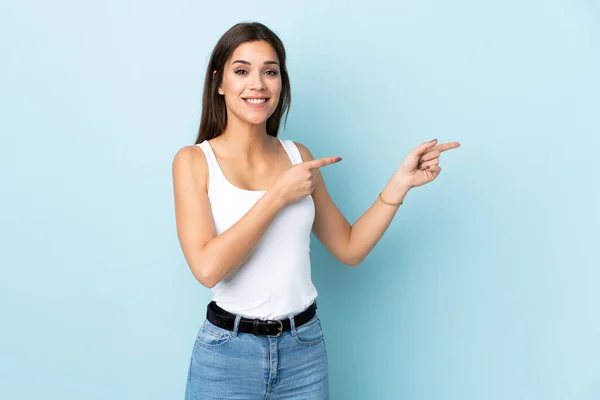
292, 324
236, 325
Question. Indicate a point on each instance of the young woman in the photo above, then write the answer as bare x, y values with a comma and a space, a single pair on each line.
246, 202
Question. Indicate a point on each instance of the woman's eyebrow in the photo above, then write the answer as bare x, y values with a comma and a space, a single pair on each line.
247, 63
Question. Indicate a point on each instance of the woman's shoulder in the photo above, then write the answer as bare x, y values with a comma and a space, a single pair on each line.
304, 152
190, 153
190, 161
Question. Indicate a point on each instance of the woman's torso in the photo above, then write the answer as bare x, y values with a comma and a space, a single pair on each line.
275, 279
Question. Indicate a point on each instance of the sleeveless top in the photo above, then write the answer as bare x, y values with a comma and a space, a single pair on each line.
274, 281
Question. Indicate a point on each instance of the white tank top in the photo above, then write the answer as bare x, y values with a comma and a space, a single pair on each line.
275, 280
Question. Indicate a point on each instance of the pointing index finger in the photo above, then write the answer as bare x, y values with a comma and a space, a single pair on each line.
447, 146
321, 162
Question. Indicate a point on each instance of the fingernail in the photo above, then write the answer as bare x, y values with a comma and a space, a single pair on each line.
433, 140
420, 161
428, 167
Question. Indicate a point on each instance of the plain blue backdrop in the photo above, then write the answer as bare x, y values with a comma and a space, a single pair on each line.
486, 284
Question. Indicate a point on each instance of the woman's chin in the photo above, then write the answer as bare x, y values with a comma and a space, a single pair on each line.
256, 119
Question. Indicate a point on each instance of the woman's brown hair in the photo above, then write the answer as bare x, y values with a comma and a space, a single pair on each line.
214, 112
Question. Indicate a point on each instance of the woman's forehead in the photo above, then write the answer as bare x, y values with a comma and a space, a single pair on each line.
257, 52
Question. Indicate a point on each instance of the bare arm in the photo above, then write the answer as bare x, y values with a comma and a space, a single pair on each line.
371, 226
212, 257
348, 243
352, 243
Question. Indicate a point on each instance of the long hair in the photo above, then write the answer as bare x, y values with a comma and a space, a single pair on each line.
214, 112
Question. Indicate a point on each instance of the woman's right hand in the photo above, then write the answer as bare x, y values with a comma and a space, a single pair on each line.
297, 182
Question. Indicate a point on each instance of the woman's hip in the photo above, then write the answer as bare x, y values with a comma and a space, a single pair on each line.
228, 365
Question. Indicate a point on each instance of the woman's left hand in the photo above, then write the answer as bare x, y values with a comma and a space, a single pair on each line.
421, 166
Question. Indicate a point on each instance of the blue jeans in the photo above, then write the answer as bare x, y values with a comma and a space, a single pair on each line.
232, 365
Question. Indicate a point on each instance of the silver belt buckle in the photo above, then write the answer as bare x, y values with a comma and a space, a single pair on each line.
280, 327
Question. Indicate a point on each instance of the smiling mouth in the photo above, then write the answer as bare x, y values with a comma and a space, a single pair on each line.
256, 101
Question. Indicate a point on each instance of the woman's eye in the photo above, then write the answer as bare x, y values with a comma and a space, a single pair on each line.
244, 72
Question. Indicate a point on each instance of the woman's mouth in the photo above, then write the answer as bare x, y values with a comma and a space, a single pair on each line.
256, 102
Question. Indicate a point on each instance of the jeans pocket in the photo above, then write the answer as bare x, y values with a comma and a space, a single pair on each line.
212, 336
310, 333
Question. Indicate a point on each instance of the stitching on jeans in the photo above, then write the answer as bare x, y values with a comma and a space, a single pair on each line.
216, 334
213, 346
188, 388
218, 338
216, 330
314, 320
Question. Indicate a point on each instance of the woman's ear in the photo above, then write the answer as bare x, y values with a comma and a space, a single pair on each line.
220, 89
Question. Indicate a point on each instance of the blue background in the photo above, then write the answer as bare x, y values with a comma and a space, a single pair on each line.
485, 286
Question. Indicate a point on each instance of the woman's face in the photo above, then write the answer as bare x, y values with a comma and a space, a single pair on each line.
251, 82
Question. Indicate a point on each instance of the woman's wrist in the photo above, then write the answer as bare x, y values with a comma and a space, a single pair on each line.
394, 192
275, 198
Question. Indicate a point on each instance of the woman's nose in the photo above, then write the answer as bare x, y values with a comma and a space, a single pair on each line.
257, 82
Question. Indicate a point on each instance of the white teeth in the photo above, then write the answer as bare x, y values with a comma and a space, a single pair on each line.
256, 101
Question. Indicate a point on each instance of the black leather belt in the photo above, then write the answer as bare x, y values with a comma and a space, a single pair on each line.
224, 319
